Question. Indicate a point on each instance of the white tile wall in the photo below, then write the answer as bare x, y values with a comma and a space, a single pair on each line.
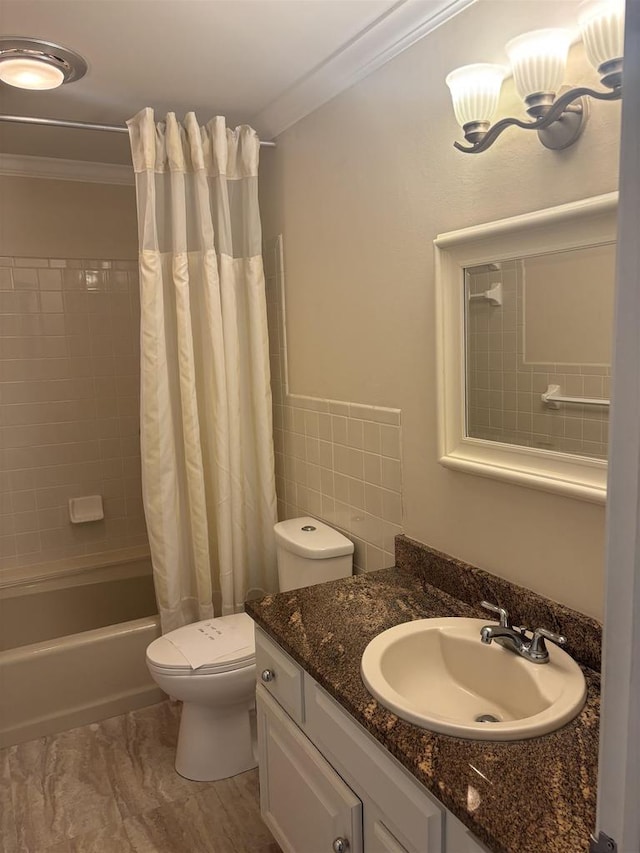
69, 392
337, 461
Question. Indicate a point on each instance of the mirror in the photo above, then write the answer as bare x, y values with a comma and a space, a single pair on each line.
536, 329
524, 314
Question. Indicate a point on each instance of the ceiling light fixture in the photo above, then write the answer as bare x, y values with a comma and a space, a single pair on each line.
36, 64
538, 60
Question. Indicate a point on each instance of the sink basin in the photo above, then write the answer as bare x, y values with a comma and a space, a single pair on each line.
436, 673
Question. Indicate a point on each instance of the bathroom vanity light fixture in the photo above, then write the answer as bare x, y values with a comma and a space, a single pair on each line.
35, 64
538, 60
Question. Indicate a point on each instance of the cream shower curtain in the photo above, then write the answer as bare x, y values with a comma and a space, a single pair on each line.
206, 432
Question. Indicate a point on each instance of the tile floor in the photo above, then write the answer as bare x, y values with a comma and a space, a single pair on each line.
110, 787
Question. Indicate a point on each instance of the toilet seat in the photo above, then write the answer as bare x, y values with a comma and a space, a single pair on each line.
165, 658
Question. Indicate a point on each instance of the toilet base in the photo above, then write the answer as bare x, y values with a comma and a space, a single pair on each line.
215, 743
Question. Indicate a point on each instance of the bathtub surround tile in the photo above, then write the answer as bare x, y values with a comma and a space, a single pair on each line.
50, 279
349, 450
25, 279
27, 543
30, 262
69, 398
111, 787
51, 302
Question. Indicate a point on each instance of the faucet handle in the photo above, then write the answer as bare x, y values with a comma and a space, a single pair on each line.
505, 622
538, 649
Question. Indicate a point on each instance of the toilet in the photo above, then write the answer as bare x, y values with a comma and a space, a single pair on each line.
217, 725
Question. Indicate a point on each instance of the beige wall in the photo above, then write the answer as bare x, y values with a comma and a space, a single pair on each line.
335, 460
359, 189
568, 306
42, 218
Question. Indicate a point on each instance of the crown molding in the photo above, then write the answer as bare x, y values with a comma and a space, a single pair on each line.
20, 165
403, 25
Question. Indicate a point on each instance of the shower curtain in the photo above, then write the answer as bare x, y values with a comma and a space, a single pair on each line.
205, 400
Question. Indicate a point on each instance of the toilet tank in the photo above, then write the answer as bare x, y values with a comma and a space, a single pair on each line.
310, 552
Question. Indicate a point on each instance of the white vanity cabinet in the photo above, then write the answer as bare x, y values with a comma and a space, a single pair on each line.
326, 785
303, 801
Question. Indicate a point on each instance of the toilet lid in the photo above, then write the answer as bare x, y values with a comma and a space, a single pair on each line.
164, 654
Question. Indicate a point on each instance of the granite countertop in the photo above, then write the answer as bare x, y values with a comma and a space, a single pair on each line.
517, 797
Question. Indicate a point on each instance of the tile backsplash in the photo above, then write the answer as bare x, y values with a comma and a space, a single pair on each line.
337, 461
69, 406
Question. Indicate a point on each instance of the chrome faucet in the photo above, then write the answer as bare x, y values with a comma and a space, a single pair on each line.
515, 639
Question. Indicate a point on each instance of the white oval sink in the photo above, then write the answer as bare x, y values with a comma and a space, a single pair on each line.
436, 673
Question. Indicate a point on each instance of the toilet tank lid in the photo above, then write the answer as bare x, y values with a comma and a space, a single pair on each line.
318, 543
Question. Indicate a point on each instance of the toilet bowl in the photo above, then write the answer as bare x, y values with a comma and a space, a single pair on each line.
217, 726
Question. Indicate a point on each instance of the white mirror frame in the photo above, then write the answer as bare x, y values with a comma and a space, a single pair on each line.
588, 222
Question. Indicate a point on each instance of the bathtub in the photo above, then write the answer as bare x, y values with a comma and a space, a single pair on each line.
72, 644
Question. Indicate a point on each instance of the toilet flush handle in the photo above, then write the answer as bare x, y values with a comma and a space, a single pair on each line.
267, 675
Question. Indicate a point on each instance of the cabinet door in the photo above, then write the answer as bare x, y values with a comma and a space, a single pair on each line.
377, 837
405, 810
303, 801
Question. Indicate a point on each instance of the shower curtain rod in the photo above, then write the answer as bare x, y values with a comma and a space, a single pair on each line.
82, 125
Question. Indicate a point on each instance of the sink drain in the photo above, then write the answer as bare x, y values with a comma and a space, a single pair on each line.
486, 718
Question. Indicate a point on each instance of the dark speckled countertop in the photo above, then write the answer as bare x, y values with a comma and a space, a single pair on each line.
532, 796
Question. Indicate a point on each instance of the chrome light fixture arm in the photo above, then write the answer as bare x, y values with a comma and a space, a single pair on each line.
562, 109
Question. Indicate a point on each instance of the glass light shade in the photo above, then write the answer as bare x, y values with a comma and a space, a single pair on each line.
475, 90
538, 60
602, 29
30, 74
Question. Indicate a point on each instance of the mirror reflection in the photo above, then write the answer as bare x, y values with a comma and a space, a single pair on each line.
538, 350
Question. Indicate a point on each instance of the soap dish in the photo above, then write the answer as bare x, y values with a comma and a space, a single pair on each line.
87, 508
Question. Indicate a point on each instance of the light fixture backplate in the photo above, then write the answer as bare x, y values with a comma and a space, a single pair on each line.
569, 127
72, 65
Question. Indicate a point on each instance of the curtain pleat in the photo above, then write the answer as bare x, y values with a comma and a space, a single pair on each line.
206, 430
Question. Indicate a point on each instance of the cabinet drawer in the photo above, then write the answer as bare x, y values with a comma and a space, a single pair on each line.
303, 801
412, 818
280, 675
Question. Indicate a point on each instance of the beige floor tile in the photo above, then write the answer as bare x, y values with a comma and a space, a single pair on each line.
111, 787
8, 835
139, 750
107, 839
60, 847
186, 825
240, 798
192, 825
60, 788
